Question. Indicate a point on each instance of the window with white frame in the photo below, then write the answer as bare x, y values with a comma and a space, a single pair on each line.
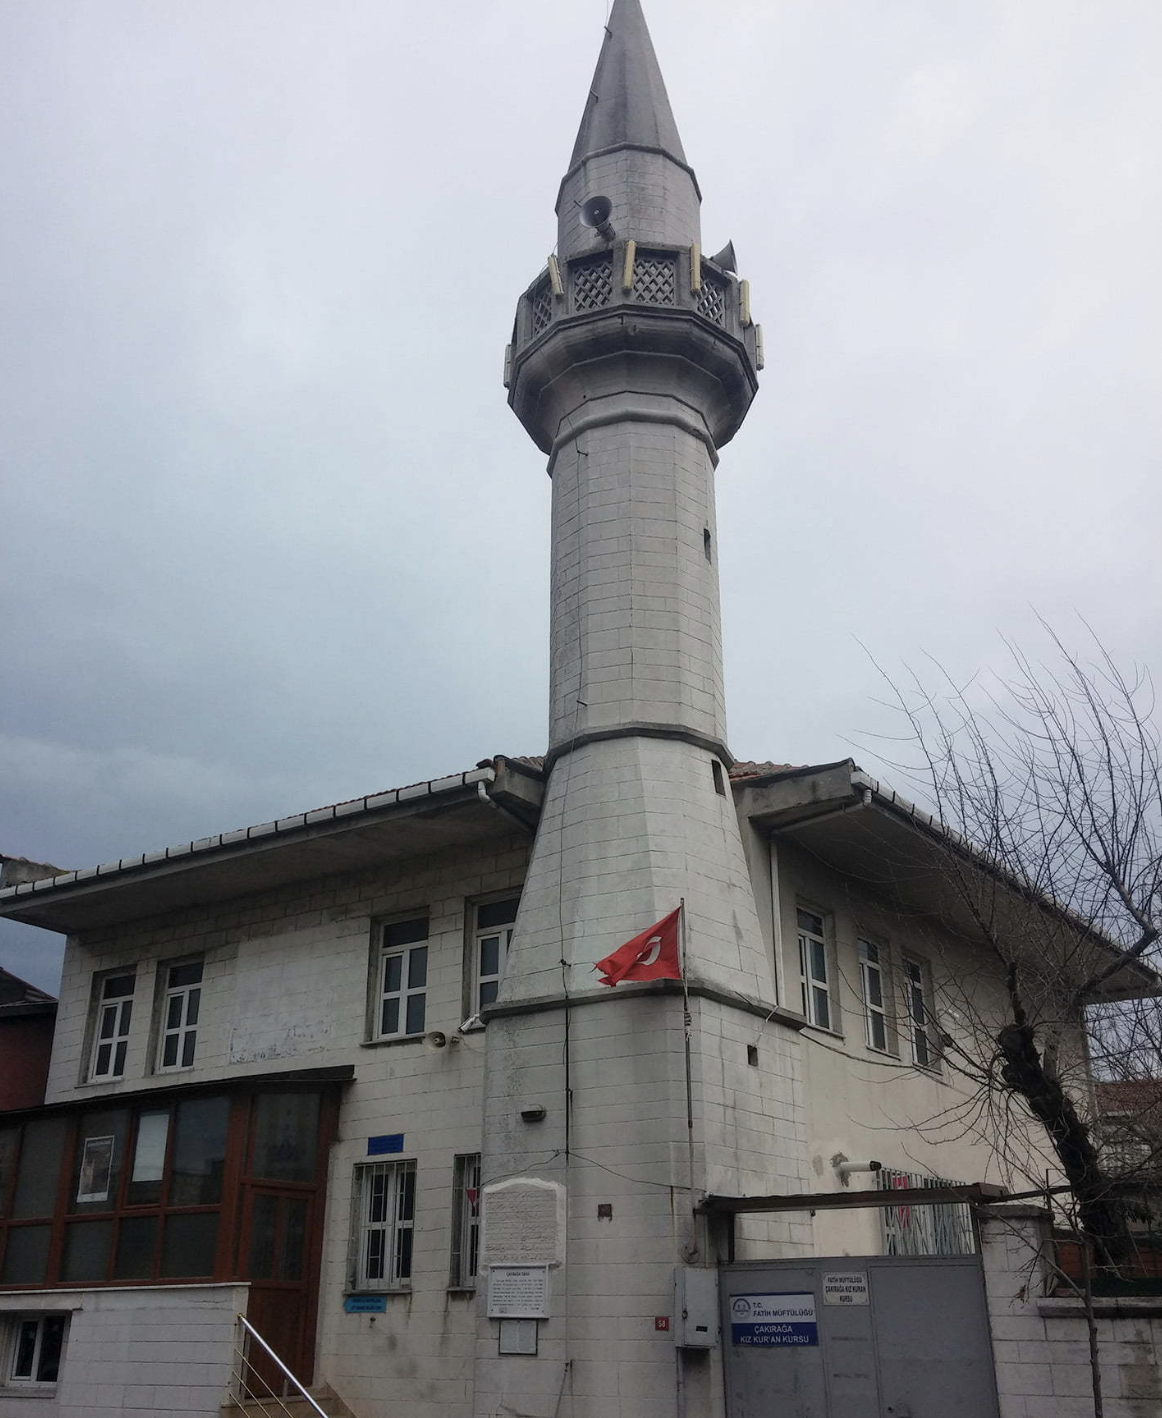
384, 1211
466, 1220
402, 976
872, 965
113, 996
35, 1343
494, 927
181, 1005
814, 979
918, 1011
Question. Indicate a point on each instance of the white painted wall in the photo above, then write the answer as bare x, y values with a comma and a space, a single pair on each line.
150, 1350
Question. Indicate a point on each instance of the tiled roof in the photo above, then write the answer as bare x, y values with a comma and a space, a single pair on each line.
1129, 1096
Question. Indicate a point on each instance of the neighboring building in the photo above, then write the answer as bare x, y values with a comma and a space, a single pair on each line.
294, 1063
27, 1016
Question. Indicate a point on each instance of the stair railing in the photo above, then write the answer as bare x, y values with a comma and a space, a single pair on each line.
243, 1393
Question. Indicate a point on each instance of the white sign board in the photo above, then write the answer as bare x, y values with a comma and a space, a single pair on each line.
773, 1320
845, 1287
518, 1292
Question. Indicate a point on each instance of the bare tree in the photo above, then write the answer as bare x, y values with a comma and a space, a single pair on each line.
1047, 791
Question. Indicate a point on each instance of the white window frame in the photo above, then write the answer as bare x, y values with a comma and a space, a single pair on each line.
408, 953
820, 1012
15, 1326
466, 1221
177, 1024
873, 965
383, 1208
502, 933
918, 1013
118, 1011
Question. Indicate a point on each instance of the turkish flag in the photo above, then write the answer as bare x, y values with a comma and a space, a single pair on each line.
653, 955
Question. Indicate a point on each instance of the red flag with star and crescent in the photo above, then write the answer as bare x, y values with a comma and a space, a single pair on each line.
652, 955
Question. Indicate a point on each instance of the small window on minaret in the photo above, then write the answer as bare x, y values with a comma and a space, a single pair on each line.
719, 777
706, 544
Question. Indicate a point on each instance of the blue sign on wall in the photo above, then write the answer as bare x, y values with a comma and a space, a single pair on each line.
365, 1304
389, 1142
767, 1320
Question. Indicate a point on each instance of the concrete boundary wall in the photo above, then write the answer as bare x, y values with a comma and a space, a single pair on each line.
1040, 1343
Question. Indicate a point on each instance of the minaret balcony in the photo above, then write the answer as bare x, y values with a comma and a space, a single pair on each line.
632, 302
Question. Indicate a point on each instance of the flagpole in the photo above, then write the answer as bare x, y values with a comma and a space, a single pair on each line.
688, 1024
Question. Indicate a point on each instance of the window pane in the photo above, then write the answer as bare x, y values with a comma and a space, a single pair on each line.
294, 1234
173, 1014
148, 1159
822, 1009
389, 1021
87, 1245
188, 974
405, 932
104, 1053
407, 1194
26, 1255
97, 1165
199, 1153
392, 973
810, 922
415, 1015
377, 1196
263, 1223
52, 1333
135, 1246
818, 961
497, 913
488, 992
9, 1144
169, 1053
193, 1005
40, 1164
403, 1267
375, 1255
878, 1035
189, 1041
188, 1245
490, 955
119, 1058
25, 1349
117, 987
418, 967
108, 1022
875, 994
286, 1133
922, 1054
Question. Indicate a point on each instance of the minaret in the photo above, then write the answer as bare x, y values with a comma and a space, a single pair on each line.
634, 359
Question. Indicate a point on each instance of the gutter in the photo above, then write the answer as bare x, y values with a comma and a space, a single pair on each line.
231, 843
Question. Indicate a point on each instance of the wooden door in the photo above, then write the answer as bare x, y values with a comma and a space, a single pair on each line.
276, 1236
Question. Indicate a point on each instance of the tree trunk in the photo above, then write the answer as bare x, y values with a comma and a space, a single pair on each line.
1102, 1214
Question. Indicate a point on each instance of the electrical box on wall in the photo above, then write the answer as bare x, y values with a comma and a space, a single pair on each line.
695, 1307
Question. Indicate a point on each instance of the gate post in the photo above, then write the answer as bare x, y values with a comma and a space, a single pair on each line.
1016, 1246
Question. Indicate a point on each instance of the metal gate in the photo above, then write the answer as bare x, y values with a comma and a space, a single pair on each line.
857, 1337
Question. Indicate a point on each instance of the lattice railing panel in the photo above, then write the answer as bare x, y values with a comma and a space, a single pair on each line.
592, 283
712, 299
542, 308
655, 280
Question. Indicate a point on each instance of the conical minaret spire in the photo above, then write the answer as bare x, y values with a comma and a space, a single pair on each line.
627, 147
628, 105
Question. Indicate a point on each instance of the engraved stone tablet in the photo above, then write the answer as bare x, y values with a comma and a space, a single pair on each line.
523, 1223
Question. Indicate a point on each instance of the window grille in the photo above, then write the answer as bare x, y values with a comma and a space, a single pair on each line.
943, 1229
385, 1209
542, 308
466, 1220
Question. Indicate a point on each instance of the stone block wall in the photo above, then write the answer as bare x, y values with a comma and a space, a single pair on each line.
1040, 1343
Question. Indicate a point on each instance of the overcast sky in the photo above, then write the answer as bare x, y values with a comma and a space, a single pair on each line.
271, 537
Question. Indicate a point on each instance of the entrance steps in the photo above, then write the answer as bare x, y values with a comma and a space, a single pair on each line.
325, 1396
